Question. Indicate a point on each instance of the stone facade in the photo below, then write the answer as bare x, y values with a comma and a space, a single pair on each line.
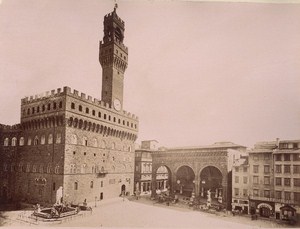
143, 169
240, 184
197, 162
273, 174
70, 140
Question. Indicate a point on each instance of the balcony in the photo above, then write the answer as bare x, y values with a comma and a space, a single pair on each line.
102, 173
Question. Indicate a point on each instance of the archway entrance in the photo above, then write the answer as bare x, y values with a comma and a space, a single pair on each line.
163, 178
185, 181
123, 190
211, 180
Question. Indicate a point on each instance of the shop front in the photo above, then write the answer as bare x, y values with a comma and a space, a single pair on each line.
262, 208
285, 212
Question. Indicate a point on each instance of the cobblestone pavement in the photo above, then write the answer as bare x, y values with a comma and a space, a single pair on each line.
149, 214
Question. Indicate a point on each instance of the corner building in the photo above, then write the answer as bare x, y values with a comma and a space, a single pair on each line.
70, 145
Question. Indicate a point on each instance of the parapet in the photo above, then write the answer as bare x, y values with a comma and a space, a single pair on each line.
68, 91
41, 96
117, 42
115, 16
10, 127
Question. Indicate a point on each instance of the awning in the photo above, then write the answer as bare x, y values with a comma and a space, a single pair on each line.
287, 208
264, 205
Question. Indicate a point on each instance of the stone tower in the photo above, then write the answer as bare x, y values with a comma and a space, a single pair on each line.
113, 57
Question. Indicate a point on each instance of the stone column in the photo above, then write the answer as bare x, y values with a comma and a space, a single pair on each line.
153, 186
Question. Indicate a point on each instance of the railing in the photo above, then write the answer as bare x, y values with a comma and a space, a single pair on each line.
101, 173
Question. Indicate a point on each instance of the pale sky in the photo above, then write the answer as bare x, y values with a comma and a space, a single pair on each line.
198, 72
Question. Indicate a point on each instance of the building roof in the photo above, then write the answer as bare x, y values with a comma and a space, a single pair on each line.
213, 146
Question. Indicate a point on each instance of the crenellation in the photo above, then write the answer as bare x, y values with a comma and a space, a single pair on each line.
10, 127
68, 91
96, 101
75, 92
81, 134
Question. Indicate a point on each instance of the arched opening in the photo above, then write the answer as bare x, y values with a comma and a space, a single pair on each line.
185, 181
123, 190
163, 178
211, 183
118, 34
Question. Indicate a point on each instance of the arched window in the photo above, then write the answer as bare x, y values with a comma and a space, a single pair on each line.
76, 185
80, 108
104, 116
43, 108
74, 139
95, 142
94, 112
14, 141
60, 104
72, 168
49, 168
54, 105
50, 139
84, 141
72, 105
92, 184
49, 106
43, 139
28, 167
41, 169
21, 141
36, 140
113, 145
29, 141
83, 168
103, 144
58, 138
6, 140
56, 170
87, 110
99, 114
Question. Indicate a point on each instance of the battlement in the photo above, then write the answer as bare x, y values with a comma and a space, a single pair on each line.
118, 42
10, 127
41, 96
68, 91
115, 16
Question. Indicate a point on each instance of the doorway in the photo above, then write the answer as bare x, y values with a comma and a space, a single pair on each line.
123, 190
